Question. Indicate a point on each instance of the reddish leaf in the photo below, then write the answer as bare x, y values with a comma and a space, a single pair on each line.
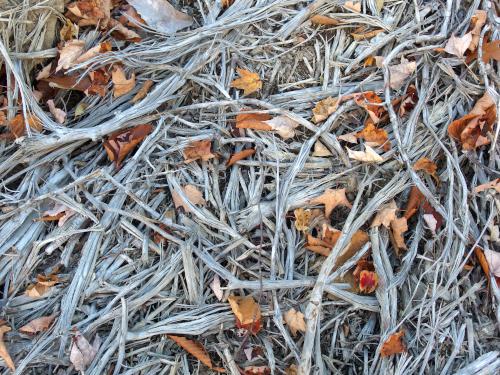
240, 156
121, 143
374, 135
415, 200
393, 345
368, 281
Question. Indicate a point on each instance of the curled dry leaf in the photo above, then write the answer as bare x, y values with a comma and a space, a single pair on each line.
17, 125
82, 353
325, 21
493, 259
495, 184
349, 137
122, 85
58, 113
196, 349
193, 195
372, 103
143, 91
302, 219
375, 136
256, 370
399, 227
415, 200
399, 73
59, 213
283, 125
295, 321
367, 156
332, 198
42, 286
428, 166
215, 286
243, 154
38, 325
161, 15
247, 312
324, 245
320, 150
393, 345
324, 108
71, 50
4, 353
249, 82
368, 281
121, 143
472, 129
385, 215
458, 45
477, 22
198, 150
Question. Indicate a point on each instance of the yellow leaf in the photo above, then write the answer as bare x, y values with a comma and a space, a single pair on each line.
249, 82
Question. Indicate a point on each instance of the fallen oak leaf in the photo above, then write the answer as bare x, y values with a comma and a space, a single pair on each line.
349, 137
82, 353
295, 321
458, 45
38, 325
367, 156
243, 154
193, 195
247, 313
93, 52
122, 85
59, 114
121, 143
324, 108
161, 15
196, 349
357, 241
3, 349
415, 200
90, 12
198, 150
249, 82
372, 103
393, 345
332, 198
491, 50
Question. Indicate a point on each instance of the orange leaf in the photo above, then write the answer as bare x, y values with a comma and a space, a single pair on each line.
409, 100
477, 22
372, 134
495, 184
332, 198
243, 116
249, 81
302, 219
399, 226
121, 143
491, 50
3, 349
247, 313
38, 325
324, 108
17, 125
324, 20
122, 85
196, 349
358, 240
198, 150
193, 195
362, 265
253, 124
243, 154
482, 261
393, 345
42, 286
295, 321
428, 166
360, 35
368, 281
227, 3
143, 91
371, 102
415, 200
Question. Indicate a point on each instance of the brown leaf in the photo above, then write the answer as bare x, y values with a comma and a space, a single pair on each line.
349, 137
368, 281
68, 31
99, 81
495, 184
477, 22
93, 52
227, 3
120, 32
295, 321
372, 103
256, 370
59, 114
428, 166
393, 345
493, 259
121, 143
161, 15
42, 286
362, 35
485, 265
249, 81
399, 73
429, 210
193, 195
458, 45
408, 101
324, 109
17, 125
385, 215
367, 156
248, 116
243, 154
59, 213
415, 200
143, 91
198, 150
283, 125
90, 12
320, 150
324, 20
358, 240
247, 313
355, 6
70, 51
491, 50
82, 353
38, 325
399, 227
130, 17
122, 85
302, 219
196, 349
332, 198
375, 136
3, 349
69, 82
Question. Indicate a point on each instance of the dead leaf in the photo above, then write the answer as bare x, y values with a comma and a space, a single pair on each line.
82, 353
42, 286
243, 154
324, 109
59, 213
80, 109
283, 125
71, 50
493, 259
69, 82
198, 150
121, 143
215, 286
367, 156
393, 345
428, 166
385, 215
226, 3
247, 313
324, 245
143, 91
256, 370
90, 12
431, 222
491, 50
59, 114
130, 17
38, 325
93, 52
196, 349
372, 103
332, 198
122, 85
249, 81
68, 31
295, 321
292, 370
320, 150
408, 101
399, 227
415, 200
375, 136
193, 195
302, 219
437, 220
360, 34
471, 130
368, 281
3, 349
477, 22
99, 82
357, 241
349, 137
495, 184
355, 6
399, 73
161, 15
458, 45
17, 125
120, 32
325, 21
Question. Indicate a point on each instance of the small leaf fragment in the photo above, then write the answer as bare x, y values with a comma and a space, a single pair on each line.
393, 345
295, 321
428, 166
247, 312
243, 154
38, 325
368, 281
196, 349
332, 198
367, 156
385, 215
143, 91
82, 353
122, 85
121, 143
193, 195
458, 45
4, 353
249, 82
198, 150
